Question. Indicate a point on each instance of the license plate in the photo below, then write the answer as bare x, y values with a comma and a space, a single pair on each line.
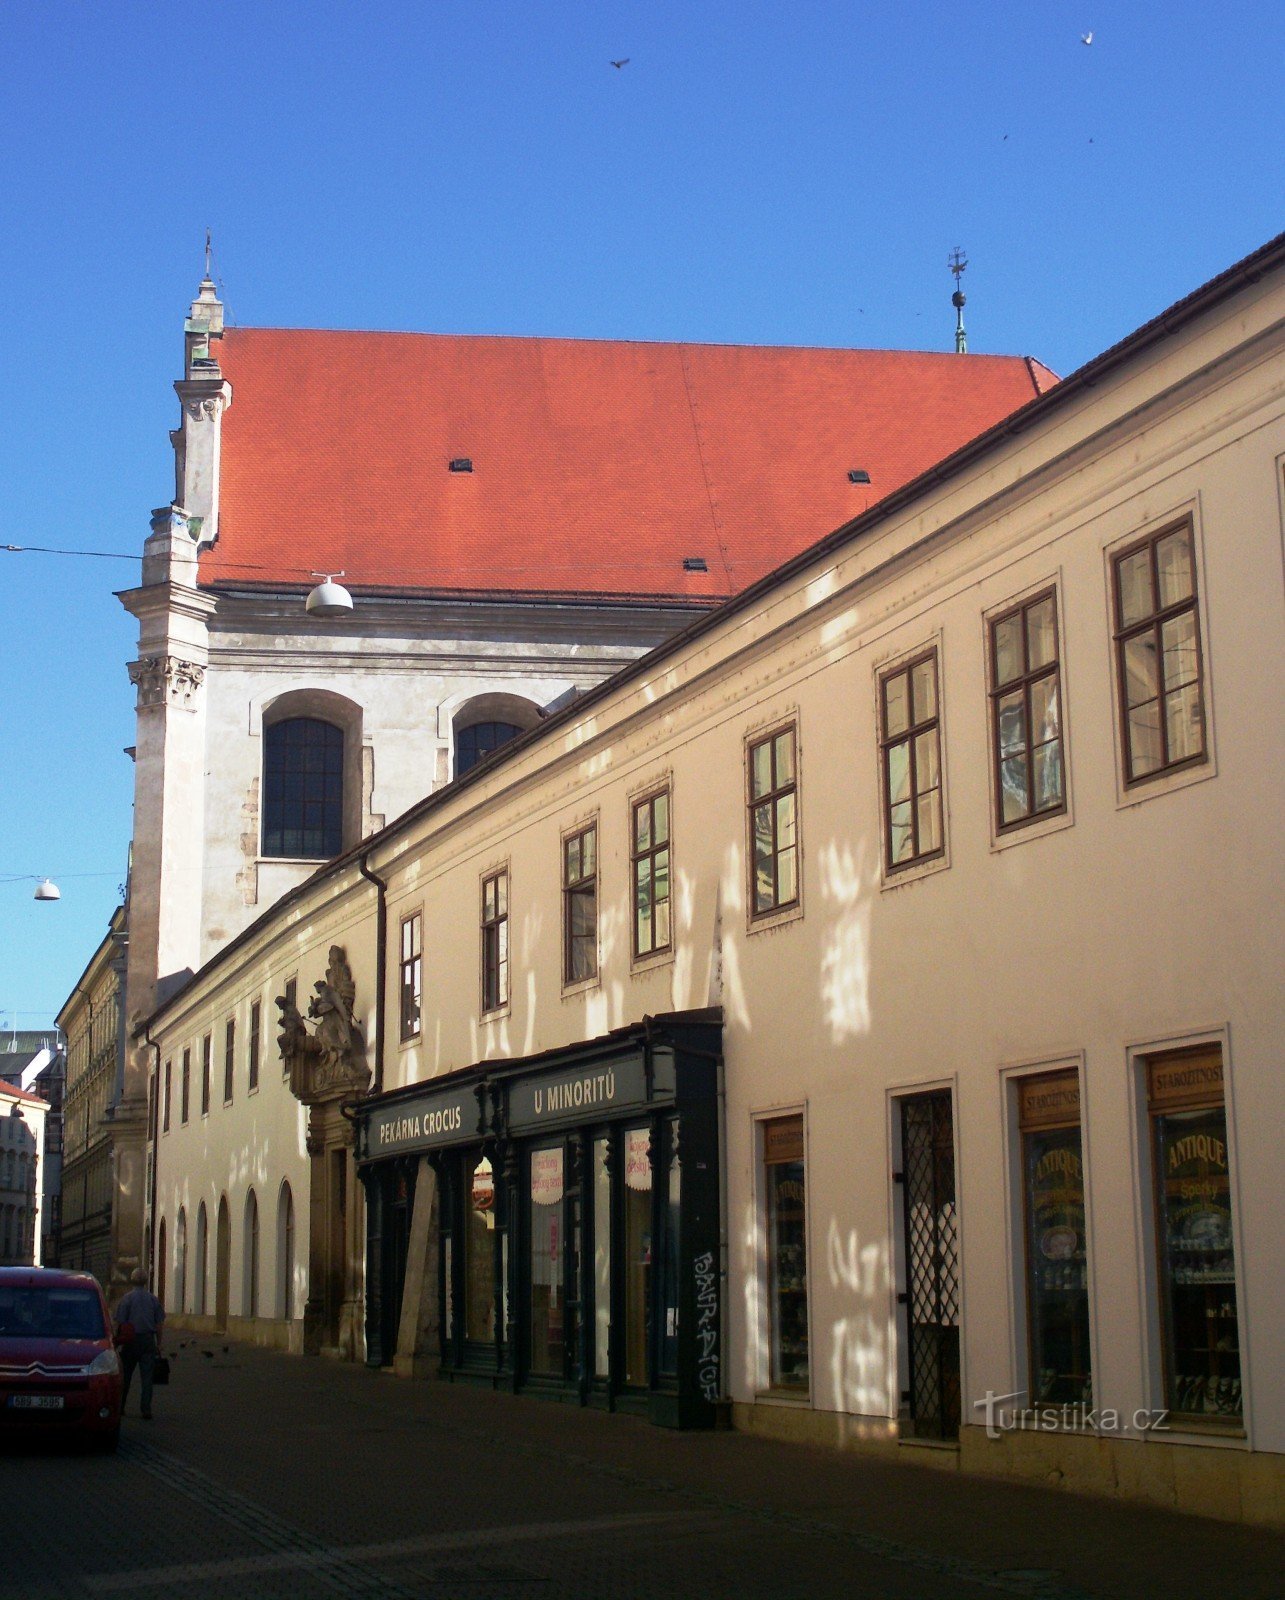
36, 1402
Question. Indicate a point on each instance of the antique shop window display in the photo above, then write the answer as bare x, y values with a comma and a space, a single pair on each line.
480, 1263
1196, 1254
1057, 1291
787, 1260
548, 1330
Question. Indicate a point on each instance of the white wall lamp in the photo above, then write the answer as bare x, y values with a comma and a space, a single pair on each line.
328, 599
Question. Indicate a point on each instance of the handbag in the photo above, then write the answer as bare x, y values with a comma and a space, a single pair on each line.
161, 1370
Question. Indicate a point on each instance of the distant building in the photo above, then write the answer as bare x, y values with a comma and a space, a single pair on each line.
50, 1084
92, 1020
22, 1148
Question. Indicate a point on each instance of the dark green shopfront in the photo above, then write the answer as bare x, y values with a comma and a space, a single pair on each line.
575, 1235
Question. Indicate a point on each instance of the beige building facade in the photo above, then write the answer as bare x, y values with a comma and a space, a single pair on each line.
943, 834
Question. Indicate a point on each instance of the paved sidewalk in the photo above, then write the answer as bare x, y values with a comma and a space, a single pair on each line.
266, 1477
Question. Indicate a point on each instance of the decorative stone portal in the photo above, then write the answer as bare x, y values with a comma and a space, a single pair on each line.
328, 1072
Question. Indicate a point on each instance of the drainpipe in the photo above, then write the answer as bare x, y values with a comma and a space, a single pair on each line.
153, 1129
381, 968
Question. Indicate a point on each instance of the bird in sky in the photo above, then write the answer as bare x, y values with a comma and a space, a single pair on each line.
622, 63
1087, 38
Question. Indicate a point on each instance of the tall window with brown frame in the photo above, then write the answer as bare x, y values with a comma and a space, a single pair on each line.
1026, 712
910, 746
411, 968
773, 822
229, 1059
207, 1054
1196, 1253
165, 1097
185, 1087
649, 858
495, 941
580, 905
1158, 655
256, 1034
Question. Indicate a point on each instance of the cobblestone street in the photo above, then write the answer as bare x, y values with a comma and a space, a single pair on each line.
264, 1477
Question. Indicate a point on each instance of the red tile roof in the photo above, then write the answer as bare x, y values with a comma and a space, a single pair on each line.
597, 466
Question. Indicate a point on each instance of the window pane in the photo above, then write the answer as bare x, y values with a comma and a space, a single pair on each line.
901, 844
1008, 650
1041, 634
572, 863
1184, 723
1173, 566
1178, 645
898, 773
1133, 575
638, 1253
1044, 710
788, 1274
1012, 789
784, 758
601, 1258
1057, 1282
502, 894
1011, 722
589, 852
926, 773
662, 925
1198, 1265
930, 822
760, 769
547, 1349
785, 822
896, 712
1140, 668
642, 826
479, 1255
925, 690
1048, 775
764, 884
1144, 739
662, 819
787, 876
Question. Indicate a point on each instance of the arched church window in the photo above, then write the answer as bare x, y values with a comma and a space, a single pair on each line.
478, 740
303, 789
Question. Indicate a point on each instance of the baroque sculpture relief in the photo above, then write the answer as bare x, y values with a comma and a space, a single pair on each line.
329, 1062
162, 680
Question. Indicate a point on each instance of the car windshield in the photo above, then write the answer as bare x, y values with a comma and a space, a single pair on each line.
40, 1313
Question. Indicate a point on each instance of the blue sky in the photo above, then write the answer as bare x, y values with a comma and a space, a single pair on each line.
757, 173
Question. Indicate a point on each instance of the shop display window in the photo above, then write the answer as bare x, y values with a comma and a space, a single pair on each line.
1195, 1249
546, 1244
479, 1259
638, 1253
787, 1261
1057, 1283
669, 1332
602, 1257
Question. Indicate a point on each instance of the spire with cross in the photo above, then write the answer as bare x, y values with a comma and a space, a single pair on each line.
957, 261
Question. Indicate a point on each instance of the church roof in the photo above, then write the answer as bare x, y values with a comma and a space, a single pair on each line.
594, 467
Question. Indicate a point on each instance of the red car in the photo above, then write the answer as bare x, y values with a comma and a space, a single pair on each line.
59, 1371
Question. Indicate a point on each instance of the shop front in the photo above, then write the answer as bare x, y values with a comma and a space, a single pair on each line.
570, 1221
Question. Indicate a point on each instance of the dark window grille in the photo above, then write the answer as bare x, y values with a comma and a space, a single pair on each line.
303, 789
1026, 712
910, 738
229, 1059
773, 816
649, 853
207, 1052
185, 1089
472, 744
256, 1028
580, 905
411, 974
495, 941
165, 1111
1162, 707
932, 1263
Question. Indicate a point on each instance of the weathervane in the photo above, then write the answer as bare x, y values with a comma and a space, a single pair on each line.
957, 261
208, 253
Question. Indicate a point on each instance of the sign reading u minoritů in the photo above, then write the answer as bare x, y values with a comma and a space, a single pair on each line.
587, 1093
444, 1117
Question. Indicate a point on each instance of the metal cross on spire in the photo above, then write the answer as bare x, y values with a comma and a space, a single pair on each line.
208, 253
957, 262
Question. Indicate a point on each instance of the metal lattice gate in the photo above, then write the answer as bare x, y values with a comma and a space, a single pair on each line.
931, 1297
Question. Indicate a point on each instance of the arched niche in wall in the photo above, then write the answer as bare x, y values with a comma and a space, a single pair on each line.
484, 722
310, 799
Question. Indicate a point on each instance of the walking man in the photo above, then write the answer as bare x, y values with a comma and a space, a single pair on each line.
139, 1319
